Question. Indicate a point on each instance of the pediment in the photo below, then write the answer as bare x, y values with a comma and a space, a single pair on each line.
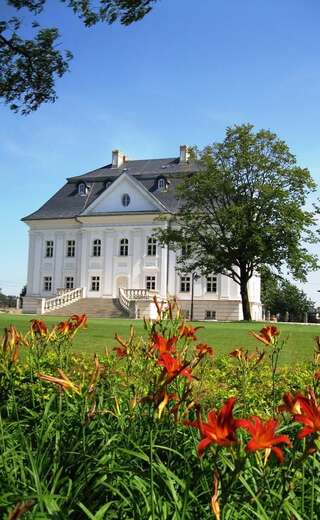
125, 195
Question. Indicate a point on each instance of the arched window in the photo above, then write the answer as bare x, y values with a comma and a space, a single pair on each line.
124, 247
96, 249
82, 189
125, 200
152, 246
161, 184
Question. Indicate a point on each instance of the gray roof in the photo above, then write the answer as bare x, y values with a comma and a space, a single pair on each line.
67, 203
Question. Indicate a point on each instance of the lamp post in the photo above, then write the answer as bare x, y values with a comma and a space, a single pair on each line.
194, 276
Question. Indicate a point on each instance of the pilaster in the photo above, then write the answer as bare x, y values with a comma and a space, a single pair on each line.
58, 260
108, 244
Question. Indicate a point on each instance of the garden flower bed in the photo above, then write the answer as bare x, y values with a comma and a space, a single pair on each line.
160, 429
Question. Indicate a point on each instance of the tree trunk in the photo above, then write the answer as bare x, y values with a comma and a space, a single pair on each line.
245, 299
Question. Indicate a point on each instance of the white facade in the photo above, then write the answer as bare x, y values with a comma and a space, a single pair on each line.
108, 248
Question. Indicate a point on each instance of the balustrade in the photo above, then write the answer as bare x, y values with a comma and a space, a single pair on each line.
64, 298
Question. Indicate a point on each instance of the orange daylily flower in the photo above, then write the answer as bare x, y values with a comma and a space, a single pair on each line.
11, 342
203, 349
64, 382
309, 415
292, 403
220, 428
39, 328
173, 367
267, 335
64, 327
79, 321
188, 331
121, 351
164, 345
244, 356
263, 435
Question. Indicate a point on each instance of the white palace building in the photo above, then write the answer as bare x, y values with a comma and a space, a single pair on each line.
92, 249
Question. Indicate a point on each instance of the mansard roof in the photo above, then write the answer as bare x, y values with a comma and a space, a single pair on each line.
68, 203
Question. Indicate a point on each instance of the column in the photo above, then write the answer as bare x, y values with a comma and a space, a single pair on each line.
84, 259
108, 245
163, 265
77, 280
172, 289
31, 261
224, 287
37, 264
58, 260
137, 260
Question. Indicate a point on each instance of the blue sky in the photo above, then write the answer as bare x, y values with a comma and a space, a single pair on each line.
182, 75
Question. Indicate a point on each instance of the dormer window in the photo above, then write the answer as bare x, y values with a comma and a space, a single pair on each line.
161, 184
125, 200
82, 189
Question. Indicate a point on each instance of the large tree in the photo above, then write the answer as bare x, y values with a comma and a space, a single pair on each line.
245, 209
29, 67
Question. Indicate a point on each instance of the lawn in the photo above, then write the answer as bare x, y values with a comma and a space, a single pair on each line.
222, 336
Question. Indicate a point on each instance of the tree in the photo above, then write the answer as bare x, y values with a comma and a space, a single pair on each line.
29, 67
281, 296
244, 210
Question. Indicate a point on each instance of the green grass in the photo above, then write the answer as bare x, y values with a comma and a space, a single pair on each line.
222, 336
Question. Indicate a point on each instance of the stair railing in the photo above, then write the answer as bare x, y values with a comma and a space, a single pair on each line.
63, 299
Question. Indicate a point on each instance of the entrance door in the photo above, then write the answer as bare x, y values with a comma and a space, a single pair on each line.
122, 283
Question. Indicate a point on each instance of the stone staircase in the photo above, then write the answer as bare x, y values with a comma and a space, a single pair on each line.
93, 308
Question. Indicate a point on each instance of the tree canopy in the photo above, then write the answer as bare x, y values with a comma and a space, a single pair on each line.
280, 296
29, 67
245, 209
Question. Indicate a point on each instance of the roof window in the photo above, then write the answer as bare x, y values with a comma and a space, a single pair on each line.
162, 184
82, 189
125, 200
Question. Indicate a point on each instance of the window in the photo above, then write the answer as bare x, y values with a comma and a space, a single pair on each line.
47, 283
124, 247
96, 250
151, 246
185, 284
69, 282
95, 283
49, 248
151, 283
212, 284
71, 248
82, 189
210, 315
125, 199
161, 184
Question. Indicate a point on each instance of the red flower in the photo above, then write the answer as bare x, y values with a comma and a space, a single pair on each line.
267, 334
173, 367
189, 332
263, 435
121, 351
164, 345
80, 321
39, 327
220, 428
309, 415
204, 349
64, 327
292, 403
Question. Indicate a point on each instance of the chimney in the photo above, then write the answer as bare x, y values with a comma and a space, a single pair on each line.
118, 158
184, 153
